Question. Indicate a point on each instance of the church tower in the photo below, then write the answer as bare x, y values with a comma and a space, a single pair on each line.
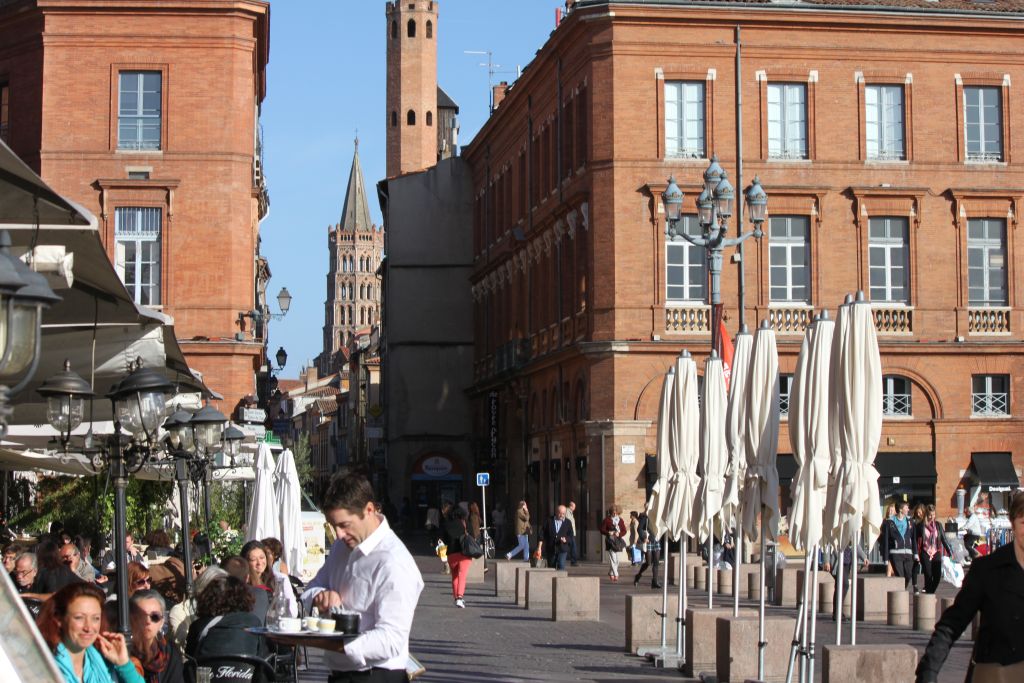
353, 288
412, 117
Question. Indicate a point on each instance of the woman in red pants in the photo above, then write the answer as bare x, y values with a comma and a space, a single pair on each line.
453, 530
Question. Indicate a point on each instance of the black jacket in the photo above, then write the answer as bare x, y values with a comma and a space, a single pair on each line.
227, 636
553, 541
892, 540
452, 531
994, 586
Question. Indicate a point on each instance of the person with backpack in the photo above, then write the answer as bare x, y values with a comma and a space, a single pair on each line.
652, 551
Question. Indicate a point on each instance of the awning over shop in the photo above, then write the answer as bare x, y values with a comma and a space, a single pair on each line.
992, 471
909, 467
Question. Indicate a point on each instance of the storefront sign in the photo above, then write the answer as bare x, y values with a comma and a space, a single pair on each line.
492, 412
628, 451
437, 466
252, 415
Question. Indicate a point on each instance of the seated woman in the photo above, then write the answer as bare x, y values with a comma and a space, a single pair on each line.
223, 614
261, 575
276, 550
183, 614
160, 659
71, 622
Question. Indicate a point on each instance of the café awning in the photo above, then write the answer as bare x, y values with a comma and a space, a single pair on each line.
992, 471
909, 467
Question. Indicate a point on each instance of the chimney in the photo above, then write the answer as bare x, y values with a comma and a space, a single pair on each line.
311, 375
498, 94
558, 16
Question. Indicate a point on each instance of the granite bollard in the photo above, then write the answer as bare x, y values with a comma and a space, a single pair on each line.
701, 638
643, 625
505, 577
538, 588
898, 608
737, 651
868, 663
924, 612
576, 598
521, 573
872, 591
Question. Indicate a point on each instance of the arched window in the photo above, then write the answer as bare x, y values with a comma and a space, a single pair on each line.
410, 118
430, 118
394, 119
351, 319
372, 315
362, 291
430, 29
411, 28
362, 316
394, 29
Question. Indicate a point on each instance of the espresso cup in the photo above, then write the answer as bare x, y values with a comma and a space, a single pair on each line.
311, 623
326, 626
347, 623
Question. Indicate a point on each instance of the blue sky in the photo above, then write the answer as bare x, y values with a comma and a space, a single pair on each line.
325, 81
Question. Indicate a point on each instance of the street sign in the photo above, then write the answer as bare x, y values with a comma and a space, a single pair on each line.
483, 479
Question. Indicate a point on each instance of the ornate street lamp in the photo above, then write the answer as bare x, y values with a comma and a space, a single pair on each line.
65, 395
233, 437
281, 357
284, 302
207, 430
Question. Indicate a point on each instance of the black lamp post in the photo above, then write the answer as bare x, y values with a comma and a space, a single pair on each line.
207, 431
179, 441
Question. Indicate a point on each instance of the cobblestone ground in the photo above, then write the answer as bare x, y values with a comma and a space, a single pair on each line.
494, 640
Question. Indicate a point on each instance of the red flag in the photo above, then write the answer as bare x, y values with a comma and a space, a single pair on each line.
724, 346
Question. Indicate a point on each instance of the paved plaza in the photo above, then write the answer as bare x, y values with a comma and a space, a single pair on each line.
494, 640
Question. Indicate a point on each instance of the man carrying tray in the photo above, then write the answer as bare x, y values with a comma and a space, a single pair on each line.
369, 572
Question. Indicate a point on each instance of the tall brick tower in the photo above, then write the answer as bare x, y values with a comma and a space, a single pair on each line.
412, 118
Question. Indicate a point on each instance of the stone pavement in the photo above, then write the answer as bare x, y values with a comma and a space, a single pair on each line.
494, 640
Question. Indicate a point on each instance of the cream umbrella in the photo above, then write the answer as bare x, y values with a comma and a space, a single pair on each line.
263, 519
808, 436
656, 505
860, 425
761, 486
735, 422
713, 458
289, 499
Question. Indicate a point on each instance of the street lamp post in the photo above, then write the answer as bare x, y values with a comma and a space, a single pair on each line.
179, 438
714, 208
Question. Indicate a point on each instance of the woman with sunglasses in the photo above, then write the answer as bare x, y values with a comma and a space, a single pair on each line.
138, 578
160, 659
71, 622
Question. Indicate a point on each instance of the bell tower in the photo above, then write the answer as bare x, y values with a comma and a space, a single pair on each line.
411, 116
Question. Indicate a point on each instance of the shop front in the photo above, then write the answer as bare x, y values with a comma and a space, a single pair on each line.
906, 476
436, 477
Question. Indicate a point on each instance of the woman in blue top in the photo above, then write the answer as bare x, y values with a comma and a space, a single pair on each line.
71, 622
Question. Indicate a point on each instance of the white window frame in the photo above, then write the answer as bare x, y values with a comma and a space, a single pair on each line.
692, 259
685, 125
989, 123
885, 122
896, 404
985, 401
133, 117
990, 249
138, 229
895, 255
788, 245
787, 120
785, 391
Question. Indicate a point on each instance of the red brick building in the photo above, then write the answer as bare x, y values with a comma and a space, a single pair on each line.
147, 114
883, 137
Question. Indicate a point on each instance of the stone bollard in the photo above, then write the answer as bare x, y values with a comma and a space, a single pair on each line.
737, 651
539, 588
701, 639
643, 625
723, 585
785, 587
505, 577
576, 598
944, 604
924, 612
868, 663
521, 573
476, 571
826, 594
754, 586
871, 595
690, 574
898, 608
700, 577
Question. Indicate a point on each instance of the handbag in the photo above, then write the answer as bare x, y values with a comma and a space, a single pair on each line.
616, 543
471, 547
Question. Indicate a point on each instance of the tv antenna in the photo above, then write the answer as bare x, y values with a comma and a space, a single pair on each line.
492, 70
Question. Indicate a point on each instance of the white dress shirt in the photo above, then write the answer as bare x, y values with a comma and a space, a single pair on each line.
380, 580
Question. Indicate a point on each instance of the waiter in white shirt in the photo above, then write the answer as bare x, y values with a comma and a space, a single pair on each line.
369, 571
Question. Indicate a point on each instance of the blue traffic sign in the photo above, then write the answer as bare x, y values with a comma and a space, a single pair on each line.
483, 478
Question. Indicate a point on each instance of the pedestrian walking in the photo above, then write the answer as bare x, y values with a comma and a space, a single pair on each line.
498, 521
899, 544
454, 528
634, 558
917, 519
652, 551
570, 514
613, 528
372, 568
994, 587
931, 548
522, 532
555, 538
831, 565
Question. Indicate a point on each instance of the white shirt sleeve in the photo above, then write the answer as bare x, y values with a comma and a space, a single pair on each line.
398, 593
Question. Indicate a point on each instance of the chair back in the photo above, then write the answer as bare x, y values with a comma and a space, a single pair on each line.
234, 669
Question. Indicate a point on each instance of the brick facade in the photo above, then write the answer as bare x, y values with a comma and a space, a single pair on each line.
412, 116
573, 328
63, 60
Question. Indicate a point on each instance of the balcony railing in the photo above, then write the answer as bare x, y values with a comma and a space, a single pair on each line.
896, 405
990, 405
688, 318
790, 319
988, 320
783, 404
894, 320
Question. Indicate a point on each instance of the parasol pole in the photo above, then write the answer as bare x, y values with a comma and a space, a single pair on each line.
761, 644
853, 587
841, 589
814, 621
795, 649
710, 583
737, 542
680, 623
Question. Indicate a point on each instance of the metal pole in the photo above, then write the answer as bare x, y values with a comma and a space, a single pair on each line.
181, 476
761, 644
119, 475
841, 590
737, 542
681, 611
853, 587
814, 621
794, 647
710, 583
739, 171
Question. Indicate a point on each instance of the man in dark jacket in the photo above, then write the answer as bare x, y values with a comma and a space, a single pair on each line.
994, 586
899, 544
557, 538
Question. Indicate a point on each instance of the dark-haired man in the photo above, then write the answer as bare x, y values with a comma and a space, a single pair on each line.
368, 571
